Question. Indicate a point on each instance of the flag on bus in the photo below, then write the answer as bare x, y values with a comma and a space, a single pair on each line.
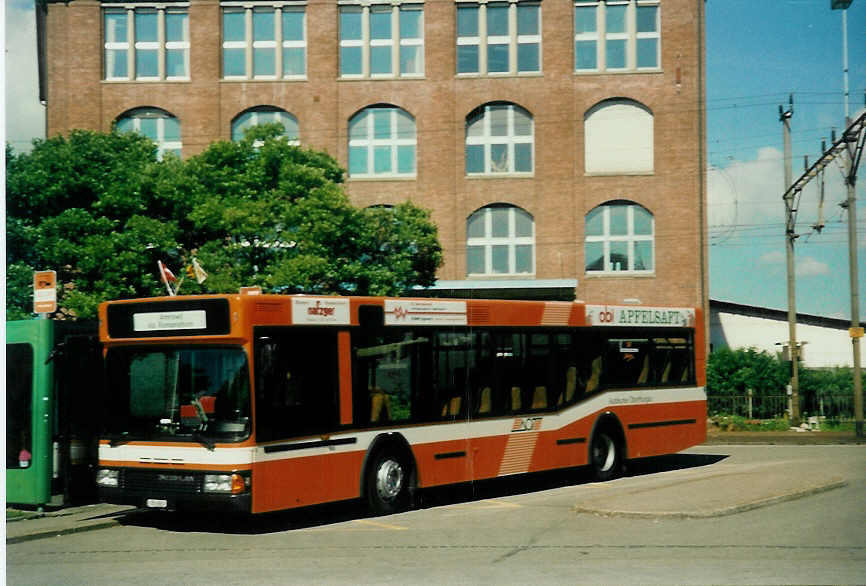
167, 277
197, 271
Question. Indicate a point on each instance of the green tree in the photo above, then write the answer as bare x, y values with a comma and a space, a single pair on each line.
101, 210
732, 372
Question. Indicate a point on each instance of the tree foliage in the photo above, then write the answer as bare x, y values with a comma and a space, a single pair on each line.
100, 209
730, 373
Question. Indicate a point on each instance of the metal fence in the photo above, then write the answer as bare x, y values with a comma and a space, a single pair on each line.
833, 406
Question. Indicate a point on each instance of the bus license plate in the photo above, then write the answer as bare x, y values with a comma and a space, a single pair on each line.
156, 503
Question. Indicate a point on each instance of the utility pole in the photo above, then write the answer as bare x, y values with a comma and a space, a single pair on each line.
848, 150
853, 141
790, 236
853, 159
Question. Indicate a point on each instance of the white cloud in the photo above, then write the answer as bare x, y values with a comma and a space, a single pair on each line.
811, 267
772, 258
25, 116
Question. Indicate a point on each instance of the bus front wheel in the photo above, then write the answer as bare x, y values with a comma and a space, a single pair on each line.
605, 455
388, 483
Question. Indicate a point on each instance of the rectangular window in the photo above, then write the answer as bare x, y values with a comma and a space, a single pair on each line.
498, 38
382, 40
176, 44
264, 41
148, 43
391, 373
294, 43
411, 41
19, 405
468, 39
116, 44
293, 396
616, 35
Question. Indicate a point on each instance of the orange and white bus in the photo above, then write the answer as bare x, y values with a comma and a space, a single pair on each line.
259, 403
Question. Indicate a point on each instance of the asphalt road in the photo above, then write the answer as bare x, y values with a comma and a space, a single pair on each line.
554, 529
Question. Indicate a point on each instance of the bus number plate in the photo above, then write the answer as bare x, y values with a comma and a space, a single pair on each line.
156, 503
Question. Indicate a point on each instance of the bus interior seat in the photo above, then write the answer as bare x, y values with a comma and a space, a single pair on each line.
484, 406
516, 403
539, 398
570, 383
380, 405
452, 406
595, 376
666, 374
644, 373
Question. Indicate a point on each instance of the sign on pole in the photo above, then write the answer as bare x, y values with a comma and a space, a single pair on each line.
44, 291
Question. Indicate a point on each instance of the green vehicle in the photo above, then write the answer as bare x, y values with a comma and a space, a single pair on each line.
53, 408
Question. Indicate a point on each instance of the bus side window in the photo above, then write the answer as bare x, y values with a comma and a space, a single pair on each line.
387, 375
296, 383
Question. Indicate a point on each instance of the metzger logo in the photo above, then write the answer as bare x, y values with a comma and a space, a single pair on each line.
319, 310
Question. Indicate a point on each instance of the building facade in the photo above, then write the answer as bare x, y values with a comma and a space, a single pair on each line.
558, 143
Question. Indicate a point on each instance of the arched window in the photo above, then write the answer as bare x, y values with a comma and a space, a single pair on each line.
156, 124
620, 238
262, 115
500, 240
499, 139
382, 143
618, 138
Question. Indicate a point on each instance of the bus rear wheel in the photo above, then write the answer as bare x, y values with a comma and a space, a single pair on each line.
605, 455
387, 483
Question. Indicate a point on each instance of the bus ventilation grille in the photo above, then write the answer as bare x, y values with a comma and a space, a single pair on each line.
479, 314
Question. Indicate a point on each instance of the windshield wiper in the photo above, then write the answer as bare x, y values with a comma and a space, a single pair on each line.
123, 438
203, 440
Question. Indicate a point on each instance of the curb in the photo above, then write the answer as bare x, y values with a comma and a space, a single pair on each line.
718, 512
58, 532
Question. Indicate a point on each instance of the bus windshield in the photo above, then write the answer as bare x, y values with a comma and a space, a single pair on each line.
198, 394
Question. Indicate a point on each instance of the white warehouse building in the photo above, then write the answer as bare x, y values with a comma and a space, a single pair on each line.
825, 341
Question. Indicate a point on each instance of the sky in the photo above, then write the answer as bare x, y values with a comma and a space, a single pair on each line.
758, 53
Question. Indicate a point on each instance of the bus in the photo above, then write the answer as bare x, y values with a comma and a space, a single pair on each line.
256, 403
53, 382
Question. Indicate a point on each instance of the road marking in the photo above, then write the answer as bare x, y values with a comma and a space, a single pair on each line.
381, 525
497, 504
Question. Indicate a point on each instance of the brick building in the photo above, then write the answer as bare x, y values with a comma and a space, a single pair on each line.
558, 143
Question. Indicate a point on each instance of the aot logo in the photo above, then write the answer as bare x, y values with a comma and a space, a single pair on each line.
318, 309
526, 424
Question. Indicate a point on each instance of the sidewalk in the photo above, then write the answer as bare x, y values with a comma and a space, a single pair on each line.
28, 525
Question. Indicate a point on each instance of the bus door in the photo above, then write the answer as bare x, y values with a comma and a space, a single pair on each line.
79, 400
29, 413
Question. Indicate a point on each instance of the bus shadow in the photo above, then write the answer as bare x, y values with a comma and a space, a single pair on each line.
334, 513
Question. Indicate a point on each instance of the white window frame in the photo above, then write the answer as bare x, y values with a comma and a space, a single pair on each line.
369, 142
601, 36
264, 114
395, 42
630, 238
249, 44
513, 40
512, 241
487, 140
139, 114
131, 46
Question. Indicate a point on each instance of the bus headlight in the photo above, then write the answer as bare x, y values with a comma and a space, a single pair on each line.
107, 477
225, 483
